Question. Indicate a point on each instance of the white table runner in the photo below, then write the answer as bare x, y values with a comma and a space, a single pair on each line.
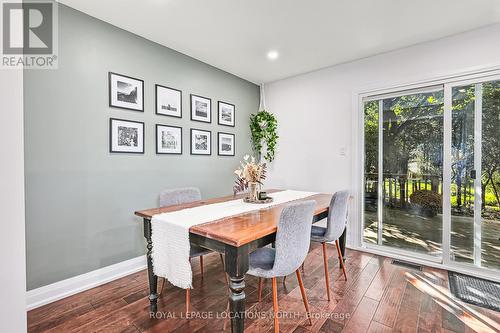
170, 233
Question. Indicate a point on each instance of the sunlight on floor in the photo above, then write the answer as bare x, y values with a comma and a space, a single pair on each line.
470, 317
423, 235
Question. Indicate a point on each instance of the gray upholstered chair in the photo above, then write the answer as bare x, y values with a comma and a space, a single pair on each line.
181, 196
335, 225
291, 248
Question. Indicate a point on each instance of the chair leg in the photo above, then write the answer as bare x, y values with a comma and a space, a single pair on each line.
201, 266
227, 284
284, 280
162, 285
261, 284
304, 296
275, 306
340, 258
327, 275
188, 300
226, 320
303, 271
224, 269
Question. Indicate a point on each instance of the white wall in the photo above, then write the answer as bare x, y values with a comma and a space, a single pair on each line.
12, 245
315, 110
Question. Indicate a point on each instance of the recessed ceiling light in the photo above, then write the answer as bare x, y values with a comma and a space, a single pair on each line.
272, 55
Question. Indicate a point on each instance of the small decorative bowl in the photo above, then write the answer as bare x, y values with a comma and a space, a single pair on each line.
263, 201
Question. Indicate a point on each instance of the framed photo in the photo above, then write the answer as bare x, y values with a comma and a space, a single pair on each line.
168, 139
225, 143
201, 109
201, 142
126, 92
126, 136
168, 101
226, 113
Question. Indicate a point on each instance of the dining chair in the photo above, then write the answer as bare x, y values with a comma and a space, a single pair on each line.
335, 225
181, 196
293, 238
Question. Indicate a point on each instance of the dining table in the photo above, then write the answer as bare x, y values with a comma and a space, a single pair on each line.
235, 237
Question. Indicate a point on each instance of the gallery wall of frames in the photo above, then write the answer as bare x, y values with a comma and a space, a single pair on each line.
127, 136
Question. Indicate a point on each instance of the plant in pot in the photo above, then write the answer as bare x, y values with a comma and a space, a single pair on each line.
251, 174
426, 203
263, 127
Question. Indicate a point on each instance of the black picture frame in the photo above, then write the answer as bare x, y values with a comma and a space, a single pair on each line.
156, 101
209, 144
157, 142
110, 99
219, 114
111, 150
218, 144
209, 113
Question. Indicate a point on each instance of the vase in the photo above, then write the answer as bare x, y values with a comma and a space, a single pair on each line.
253, 194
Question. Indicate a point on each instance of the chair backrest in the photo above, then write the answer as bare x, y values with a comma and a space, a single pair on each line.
178, 196
293, 237
337, 215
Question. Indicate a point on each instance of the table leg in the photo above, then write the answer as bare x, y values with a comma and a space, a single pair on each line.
236, 268
153, 279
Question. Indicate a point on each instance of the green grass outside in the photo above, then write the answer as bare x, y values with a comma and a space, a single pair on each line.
491, 202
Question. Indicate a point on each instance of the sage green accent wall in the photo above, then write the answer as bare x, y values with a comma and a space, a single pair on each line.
80, 198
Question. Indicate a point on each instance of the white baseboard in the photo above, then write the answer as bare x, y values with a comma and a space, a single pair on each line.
61, 289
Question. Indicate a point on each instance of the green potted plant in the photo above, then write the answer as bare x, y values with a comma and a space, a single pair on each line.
263, 126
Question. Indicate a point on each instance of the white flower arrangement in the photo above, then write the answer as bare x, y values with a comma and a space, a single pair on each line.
250, 171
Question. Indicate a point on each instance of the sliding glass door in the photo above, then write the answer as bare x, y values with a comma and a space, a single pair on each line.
404, 165
428, 191
475, 174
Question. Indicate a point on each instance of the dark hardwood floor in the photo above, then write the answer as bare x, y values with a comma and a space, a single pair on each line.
377, 297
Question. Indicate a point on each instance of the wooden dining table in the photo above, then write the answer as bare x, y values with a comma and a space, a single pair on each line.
235, 237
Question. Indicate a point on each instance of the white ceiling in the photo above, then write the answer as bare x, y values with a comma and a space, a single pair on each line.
235, 35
